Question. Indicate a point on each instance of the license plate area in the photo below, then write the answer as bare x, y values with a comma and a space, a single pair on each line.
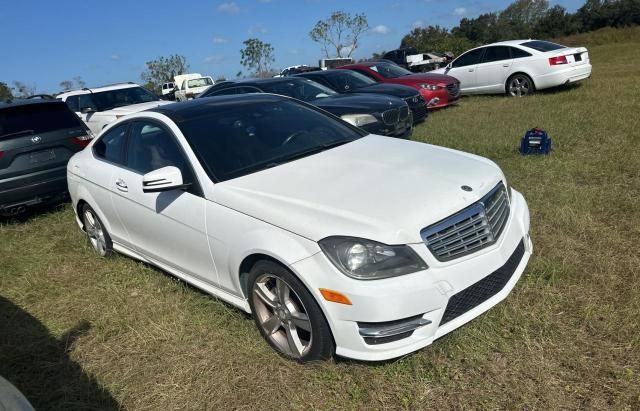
42, 156
577, 57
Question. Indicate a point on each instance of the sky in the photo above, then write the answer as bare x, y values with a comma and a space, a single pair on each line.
47, 41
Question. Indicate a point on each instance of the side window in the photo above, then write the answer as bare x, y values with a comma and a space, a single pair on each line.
469, 58
85, 101
226, 92
518, 53
496, 53
152, 147
110, 147
72, 102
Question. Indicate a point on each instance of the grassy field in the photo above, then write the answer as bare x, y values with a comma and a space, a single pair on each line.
79, 332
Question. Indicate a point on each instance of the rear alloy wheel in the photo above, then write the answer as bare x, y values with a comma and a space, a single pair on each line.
519, 85
97, 234
287, 315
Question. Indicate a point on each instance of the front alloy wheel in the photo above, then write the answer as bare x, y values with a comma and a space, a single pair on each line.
520, 85
287, 315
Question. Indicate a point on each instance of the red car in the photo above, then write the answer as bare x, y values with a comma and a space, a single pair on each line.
431, 86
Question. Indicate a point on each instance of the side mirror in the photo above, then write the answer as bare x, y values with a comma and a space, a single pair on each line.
87, 110
163, 179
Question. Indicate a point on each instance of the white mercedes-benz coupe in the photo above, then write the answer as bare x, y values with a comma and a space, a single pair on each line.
518, 67
337, 241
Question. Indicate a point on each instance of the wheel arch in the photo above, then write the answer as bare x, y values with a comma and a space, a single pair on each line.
506, 83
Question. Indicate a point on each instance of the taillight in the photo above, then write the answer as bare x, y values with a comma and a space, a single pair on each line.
554, 61
1, 154
82, 141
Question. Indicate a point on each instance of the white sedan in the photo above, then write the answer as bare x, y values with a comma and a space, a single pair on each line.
518, 67
338, 242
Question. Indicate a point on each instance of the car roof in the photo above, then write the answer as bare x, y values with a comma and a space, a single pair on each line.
86, 90
179, 112
27, 102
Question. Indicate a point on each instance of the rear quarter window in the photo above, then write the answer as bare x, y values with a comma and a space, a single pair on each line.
542, 46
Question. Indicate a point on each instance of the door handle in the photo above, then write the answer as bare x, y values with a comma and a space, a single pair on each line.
470, 70
121, 185
506, 65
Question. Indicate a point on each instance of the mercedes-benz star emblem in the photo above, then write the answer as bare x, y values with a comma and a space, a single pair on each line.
36, 139
466, 188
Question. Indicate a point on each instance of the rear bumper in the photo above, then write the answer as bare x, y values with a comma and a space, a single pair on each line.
563, 76
32, 189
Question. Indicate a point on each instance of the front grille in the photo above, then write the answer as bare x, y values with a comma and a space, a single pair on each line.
404, 113
390, 117
471, 229
454, 89
477, 293
414, 100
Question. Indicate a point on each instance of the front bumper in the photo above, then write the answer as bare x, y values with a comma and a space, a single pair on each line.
421, 297
446, 99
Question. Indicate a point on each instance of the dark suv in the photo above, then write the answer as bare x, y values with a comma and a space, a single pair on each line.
37, 138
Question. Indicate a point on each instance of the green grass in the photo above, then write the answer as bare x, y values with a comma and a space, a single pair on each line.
79, 332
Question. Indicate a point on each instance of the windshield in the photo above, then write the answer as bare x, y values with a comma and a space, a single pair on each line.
106, 100
36, 119
200, 82
302, 89
345, 80
242, 137
387, 70
543, 46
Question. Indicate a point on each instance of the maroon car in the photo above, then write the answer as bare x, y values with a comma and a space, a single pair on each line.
438, 90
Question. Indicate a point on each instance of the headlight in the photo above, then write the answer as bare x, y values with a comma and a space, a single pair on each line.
431, 87
359, 120
369, 260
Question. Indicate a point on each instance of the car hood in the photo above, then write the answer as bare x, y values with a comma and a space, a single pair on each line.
379, 188
134, 108
396, 90
430, 78
356, 103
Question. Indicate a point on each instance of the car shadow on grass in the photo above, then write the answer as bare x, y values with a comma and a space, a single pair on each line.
38, 364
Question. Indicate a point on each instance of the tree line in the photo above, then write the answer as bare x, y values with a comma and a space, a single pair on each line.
524, 19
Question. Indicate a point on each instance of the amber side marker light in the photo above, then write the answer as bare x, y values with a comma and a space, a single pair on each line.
335, 297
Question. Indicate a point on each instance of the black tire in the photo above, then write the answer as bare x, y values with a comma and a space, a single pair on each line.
289, 335
97, 233
525, 88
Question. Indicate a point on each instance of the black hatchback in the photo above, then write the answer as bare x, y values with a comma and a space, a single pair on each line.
376, 113
349, 81
37, 138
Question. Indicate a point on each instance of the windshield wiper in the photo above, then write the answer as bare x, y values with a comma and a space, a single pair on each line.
17, 133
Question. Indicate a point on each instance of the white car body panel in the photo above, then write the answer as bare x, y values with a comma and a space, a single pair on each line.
491, 77
376, 187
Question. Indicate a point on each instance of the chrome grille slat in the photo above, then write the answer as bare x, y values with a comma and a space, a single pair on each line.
471, 229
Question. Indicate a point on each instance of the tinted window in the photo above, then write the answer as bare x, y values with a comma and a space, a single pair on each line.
302, 89
468, 59
73, 103
152, 147
37, 118
240, 137
106, 100
387, 70
110, 147
542, 45
518, 53
496, 53
86, 101
364, 73
232, 90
